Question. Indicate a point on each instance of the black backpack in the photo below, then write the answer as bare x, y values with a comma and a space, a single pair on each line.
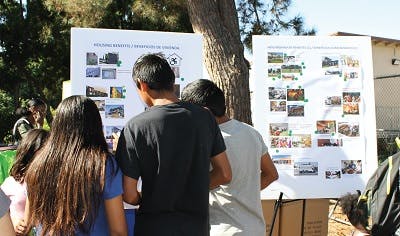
381, 198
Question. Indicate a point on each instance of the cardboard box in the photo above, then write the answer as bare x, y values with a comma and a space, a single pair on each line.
309, 215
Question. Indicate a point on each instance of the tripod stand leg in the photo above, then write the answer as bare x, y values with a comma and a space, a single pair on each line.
277, 206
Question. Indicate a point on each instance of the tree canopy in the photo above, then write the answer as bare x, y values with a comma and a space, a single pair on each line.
35, 37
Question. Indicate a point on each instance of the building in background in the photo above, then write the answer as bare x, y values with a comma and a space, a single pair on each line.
386, 62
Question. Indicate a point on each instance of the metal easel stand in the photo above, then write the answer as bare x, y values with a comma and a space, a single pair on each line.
277, 207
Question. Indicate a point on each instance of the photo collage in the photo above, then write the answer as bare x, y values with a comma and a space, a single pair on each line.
105, 85
288, 100
105, 88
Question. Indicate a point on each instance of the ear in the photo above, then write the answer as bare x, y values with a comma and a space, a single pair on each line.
144, 87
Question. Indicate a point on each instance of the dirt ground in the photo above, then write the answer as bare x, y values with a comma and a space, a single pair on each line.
336, 228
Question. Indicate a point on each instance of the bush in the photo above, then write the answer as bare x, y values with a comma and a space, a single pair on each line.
7, 117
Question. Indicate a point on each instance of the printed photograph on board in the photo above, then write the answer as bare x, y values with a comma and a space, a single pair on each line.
291, 69
110, 58
281, 142
350, 61
333, 101
117, 92
326, 126
349, 129
274, 71
109, 73
332, 174
282, 162
301, 141
351, 167
276, 93
330, 65
277, 106
295, 110
93, 72
305, 168
96, 91
329, 142
351, 97
91, 59
351, 108
278, 129
275, 57
295, 94
115, 111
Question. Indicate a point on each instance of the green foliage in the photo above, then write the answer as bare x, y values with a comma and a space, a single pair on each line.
7, 116
34, 55
386, 147
270, 18
35, 36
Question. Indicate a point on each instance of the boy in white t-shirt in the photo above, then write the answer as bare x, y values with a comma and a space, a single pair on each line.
235, 208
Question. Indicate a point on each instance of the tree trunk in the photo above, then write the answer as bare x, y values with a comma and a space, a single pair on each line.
223, 52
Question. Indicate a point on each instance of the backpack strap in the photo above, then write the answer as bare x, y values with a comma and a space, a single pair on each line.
19, 121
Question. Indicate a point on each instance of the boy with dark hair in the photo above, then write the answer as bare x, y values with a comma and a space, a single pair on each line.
357, 217
235, 207
170, 146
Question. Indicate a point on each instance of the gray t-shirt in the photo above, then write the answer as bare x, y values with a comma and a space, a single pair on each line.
235, 209
4, 203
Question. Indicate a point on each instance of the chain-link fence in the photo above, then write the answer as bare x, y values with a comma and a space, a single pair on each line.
387, 108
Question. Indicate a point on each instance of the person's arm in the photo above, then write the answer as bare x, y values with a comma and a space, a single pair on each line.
6, 226
268, 171
221, 170
131, 195
116, 216
21, 228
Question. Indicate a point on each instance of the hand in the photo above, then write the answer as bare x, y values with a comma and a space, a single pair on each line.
39, 118
115, 140
21, 228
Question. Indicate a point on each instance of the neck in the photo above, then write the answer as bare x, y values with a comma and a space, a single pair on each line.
159, 98
222, 119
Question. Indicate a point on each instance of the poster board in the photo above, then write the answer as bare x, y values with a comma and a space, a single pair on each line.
313, 102
101, 68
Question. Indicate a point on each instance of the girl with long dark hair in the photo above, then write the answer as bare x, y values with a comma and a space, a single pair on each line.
14, 186
74, 184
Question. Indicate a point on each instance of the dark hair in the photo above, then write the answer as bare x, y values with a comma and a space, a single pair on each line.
65, 181
26, 149
22, 111
155, 71
36, 102
207, 94
355, 214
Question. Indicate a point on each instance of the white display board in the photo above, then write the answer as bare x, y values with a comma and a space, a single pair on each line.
102, 61
313, 102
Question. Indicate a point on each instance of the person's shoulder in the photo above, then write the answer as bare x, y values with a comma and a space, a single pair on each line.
244, 125
196, 109
9, 185
111, 164
139, 118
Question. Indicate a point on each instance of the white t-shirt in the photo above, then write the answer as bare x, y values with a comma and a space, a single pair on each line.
235, 209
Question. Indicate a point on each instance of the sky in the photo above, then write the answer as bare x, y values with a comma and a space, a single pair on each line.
378, 18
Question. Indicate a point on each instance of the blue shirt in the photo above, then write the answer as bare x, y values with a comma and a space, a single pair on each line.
112, 188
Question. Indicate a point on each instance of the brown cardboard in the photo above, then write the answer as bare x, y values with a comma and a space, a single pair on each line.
316, 217
289, 222
268, 211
